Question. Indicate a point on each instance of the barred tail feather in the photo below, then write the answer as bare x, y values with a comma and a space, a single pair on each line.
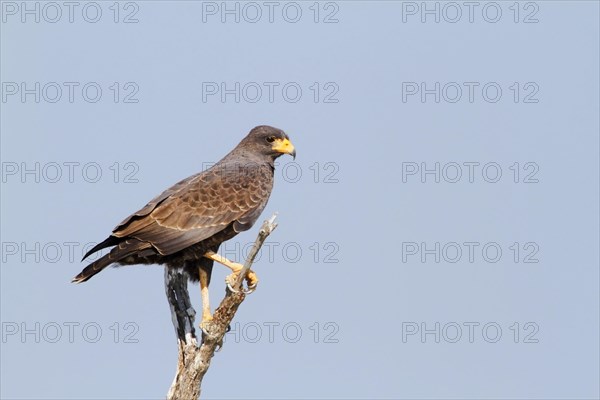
124, 249
110, 241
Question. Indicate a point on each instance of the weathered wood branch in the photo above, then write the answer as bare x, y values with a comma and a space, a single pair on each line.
194, 360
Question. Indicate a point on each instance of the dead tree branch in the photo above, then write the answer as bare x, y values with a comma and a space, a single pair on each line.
194, 360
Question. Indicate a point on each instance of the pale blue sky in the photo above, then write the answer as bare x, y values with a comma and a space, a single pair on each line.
352, 267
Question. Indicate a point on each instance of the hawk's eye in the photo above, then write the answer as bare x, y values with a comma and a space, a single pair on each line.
271, 139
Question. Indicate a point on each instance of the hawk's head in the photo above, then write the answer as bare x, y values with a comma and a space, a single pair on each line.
269, 141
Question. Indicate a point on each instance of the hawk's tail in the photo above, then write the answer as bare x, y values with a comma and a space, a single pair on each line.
124, 249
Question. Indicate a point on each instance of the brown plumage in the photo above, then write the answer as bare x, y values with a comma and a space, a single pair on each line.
197, 214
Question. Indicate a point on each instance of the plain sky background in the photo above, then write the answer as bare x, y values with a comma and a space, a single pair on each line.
353, 274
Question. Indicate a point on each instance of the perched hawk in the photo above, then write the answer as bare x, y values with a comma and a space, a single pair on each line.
185, 225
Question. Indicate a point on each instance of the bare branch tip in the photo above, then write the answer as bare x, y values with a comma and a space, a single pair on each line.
194, 361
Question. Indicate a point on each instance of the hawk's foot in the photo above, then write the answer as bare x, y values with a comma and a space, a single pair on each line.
251, 281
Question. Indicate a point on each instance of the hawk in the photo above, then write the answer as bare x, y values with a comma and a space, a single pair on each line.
184, 226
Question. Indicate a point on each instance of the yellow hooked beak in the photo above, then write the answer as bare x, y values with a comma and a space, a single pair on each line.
284, 146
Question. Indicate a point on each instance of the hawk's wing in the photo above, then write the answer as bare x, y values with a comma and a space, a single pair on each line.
200, 206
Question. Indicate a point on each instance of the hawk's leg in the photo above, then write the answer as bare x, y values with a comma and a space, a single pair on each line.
251, 277
206, 315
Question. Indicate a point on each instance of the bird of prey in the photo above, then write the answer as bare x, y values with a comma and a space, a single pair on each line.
184, 226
